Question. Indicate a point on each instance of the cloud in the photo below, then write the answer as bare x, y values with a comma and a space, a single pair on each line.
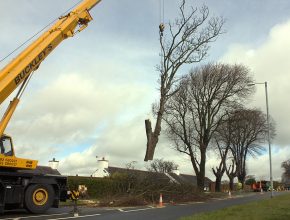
69, 112
261, 167
120, 143
269, 62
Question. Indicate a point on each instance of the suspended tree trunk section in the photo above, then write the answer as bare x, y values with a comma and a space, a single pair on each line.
152, 139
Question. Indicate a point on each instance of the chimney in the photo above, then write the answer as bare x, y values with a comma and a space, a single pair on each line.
102, 166
53, 164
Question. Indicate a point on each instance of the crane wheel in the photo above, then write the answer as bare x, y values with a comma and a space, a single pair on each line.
38, 198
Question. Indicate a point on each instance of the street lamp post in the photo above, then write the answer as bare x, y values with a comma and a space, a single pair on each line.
269, 138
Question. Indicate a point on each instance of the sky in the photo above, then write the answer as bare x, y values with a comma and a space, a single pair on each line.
90, 97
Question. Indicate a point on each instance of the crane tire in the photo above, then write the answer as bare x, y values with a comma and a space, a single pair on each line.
38, 198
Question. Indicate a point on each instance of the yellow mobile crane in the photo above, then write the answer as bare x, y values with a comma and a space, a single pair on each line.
22, 184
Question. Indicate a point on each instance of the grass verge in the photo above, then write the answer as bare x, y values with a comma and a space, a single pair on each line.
277, 208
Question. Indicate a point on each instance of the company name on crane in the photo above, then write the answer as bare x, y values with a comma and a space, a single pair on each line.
33, 65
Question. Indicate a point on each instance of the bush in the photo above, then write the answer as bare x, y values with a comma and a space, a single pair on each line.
98, 187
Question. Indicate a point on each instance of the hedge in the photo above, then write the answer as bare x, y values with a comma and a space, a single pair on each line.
147, 186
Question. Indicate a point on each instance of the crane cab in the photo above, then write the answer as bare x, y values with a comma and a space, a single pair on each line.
8, 159
6, 147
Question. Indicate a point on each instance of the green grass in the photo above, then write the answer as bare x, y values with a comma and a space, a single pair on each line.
277, 208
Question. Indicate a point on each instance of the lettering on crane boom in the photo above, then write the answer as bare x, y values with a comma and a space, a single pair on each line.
33, 65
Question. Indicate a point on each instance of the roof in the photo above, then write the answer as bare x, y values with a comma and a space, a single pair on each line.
144, 173
184, 178
42, 170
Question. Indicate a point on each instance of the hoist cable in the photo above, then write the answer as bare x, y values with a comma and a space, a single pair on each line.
163, 11
24, 85
161, 29
160, 15
30, 38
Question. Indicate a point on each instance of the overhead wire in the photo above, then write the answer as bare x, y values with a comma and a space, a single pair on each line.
38, 32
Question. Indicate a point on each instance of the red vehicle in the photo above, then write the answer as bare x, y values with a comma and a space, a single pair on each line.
260, 185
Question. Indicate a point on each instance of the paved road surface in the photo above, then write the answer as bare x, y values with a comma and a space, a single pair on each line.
169, 212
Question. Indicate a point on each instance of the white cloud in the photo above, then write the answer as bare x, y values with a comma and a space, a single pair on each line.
120, 143
70, 111
260, 167
269, 62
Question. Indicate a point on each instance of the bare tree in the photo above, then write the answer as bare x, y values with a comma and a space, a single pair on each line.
222, 145
223, 141
219, 170
131, 165
198, 107
249, 130
286, 174
185, 41
162, 166
231, 172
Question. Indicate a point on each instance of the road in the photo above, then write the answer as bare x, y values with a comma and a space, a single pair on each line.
169, 212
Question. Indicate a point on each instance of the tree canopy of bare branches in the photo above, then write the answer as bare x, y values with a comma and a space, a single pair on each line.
185, 41
199, 105
286, 174
162, 166
248, 129
222, 140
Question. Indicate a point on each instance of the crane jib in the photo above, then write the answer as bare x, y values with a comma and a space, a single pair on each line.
33, 64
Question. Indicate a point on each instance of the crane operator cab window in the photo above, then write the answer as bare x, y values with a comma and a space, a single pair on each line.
6, 146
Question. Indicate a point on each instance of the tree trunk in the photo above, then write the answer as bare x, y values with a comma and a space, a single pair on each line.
200, 181
201, 174
218, 181
241, 178
231, 184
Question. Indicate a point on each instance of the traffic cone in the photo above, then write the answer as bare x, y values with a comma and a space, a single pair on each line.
160, 201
